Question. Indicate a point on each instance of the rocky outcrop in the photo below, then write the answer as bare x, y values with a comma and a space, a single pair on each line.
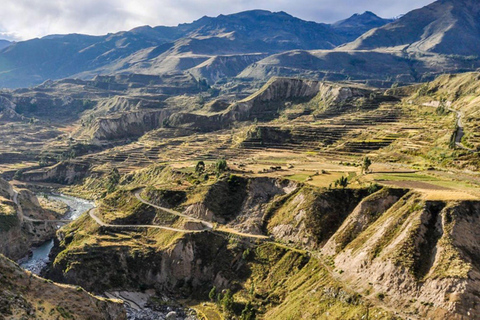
25, 295
261, 193
273, 96
418, 256
19, 228
126, 125
7, 111
366, 213
65, 172
265, 104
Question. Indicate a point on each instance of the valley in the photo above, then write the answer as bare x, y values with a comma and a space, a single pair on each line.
247, 166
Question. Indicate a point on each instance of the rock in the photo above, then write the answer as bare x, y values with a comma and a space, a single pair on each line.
171, 316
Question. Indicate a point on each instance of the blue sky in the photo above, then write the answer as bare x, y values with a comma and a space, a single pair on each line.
25, 19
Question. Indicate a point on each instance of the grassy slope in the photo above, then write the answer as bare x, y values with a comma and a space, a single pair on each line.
26, 296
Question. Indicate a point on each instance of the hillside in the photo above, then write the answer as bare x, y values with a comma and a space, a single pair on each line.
445, 26
26, 296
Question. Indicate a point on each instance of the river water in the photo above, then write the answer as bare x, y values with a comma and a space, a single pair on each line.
39, 258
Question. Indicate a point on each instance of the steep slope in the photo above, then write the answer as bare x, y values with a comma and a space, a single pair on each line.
419, 256
411, 254
18, 228
445, 26
26, 296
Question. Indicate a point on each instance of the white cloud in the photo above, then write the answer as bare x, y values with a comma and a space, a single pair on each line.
25, 19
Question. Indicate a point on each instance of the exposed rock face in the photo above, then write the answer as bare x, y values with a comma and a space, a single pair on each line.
192, 263
65, 172
263, 105
243, 203
7, 111
421, 256
261, 193
18, 228
367, 212
128, 125
310, 216
24, 295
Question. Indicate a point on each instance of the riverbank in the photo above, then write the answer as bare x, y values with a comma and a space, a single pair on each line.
38, 258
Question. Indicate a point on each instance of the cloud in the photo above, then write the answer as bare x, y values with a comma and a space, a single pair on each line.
25, 19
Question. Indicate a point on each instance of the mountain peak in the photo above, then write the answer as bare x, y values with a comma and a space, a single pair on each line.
360, 23
445, 26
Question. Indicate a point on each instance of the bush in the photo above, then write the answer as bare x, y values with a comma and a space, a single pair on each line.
221, 166
212, 294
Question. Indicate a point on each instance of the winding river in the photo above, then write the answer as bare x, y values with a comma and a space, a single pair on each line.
39, 258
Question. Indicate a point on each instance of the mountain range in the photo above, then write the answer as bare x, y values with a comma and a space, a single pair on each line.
259, 44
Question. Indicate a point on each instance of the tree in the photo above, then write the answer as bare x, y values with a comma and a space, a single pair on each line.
248, 313
366, 164
212, 294
341, 182
227, 302
200, 167
221, 165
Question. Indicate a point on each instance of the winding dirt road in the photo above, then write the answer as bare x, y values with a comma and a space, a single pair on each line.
207, 224
92, 214
24, 217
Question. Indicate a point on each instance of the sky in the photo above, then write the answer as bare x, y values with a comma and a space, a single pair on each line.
27, 19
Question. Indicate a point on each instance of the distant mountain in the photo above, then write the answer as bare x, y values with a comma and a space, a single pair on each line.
358, 24
4, 44
445, 26
173, 49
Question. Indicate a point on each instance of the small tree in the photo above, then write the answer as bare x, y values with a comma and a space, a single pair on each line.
200, 167
341, 182
221, 166
212, 294
227, 302
248, 313
366, 164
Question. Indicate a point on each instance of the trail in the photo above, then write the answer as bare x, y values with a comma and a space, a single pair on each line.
221, 228
24, 217
136, 226
175, 213
460, 131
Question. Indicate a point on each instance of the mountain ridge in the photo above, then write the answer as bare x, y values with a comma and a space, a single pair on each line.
143, 48
445, 27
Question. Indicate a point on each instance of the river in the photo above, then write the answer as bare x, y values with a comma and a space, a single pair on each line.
39, 258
